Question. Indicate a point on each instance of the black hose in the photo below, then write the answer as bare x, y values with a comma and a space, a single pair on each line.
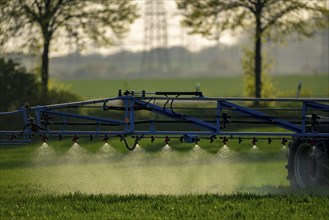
127, 145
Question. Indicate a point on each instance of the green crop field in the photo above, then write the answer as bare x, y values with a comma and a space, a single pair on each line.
99, 181
312, 86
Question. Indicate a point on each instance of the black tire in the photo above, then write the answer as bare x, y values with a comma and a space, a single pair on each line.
308, 163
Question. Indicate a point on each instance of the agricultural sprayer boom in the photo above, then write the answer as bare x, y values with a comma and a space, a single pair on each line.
187, 116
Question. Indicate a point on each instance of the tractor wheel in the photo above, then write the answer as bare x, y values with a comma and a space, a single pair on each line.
308, 163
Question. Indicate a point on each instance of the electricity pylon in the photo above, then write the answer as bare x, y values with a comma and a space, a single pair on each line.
155, 58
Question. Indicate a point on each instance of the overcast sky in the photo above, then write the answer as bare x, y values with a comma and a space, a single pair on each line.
177, 36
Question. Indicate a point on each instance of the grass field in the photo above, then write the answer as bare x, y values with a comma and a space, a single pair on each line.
83, 206
312, 86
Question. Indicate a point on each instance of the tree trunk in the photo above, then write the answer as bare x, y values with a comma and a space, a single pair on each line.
258, 59
45, 66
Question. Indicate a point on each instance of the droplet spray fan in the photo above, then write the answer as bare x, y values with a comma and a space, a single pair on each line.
181, 117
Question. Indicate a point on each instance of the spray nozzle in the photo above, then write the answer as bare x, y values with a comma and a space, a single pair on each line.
75, 138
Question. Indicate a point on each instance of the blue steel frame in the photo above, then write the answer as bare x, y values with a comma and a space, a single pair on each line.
133, 101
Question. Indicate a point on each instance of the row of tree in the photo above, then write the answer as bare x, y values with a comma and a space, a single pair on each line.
102, 21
